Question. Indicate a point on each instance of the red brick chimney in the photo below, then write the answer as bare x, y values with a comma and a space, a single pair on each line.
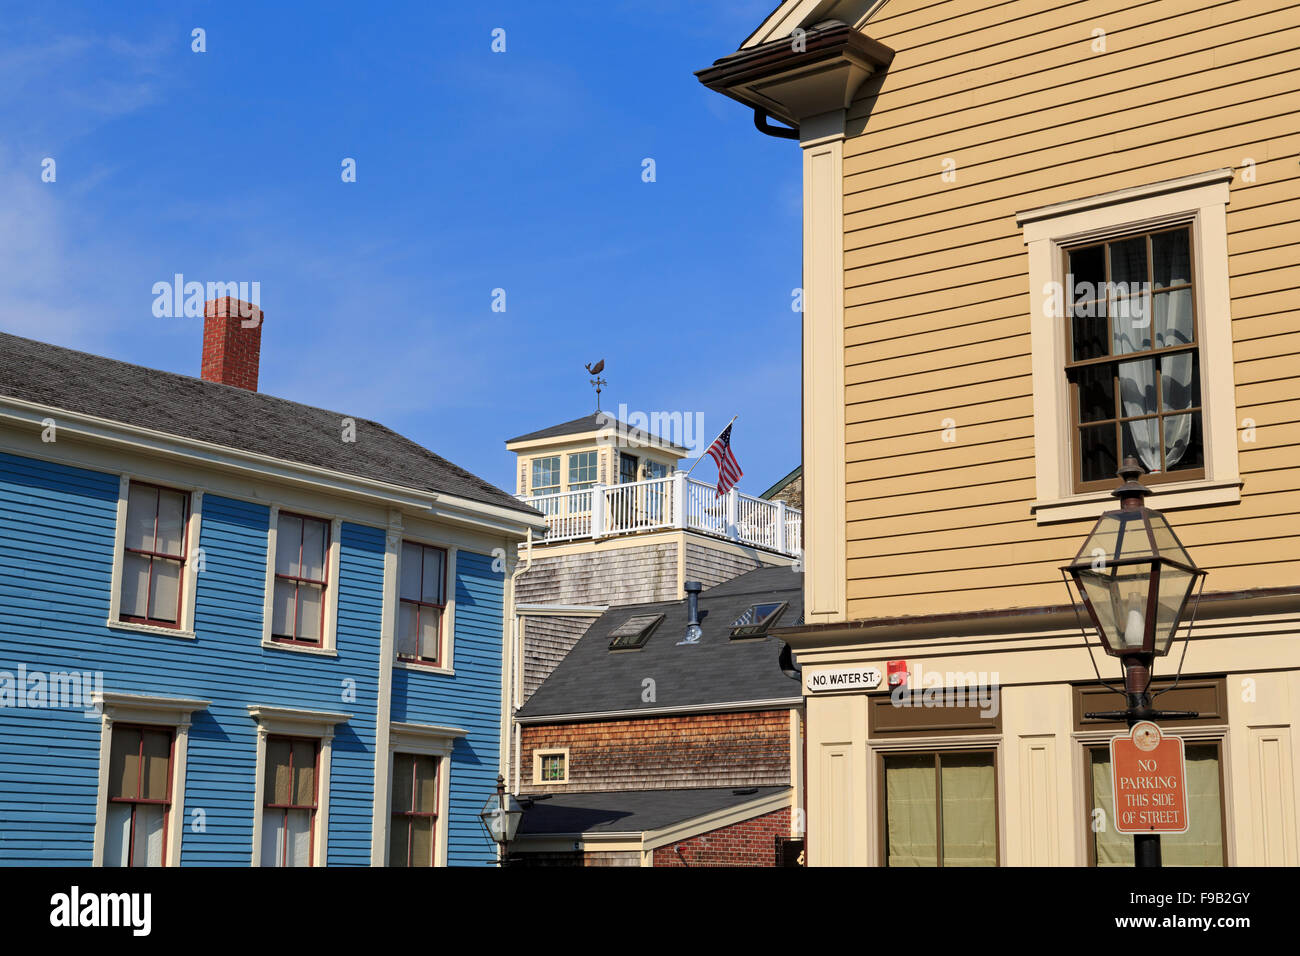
232, 342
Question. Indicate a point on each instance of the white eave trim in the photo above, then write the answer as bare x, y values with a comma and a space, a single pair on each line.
779, 703
716, 820
208, 454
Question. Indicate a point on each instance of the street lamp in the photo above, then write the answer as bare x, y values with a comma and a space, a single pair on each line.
501, 815
1135, 579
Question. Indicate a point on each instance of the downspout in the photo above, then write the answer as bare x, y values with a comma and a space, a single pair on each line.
780, 132
517, 655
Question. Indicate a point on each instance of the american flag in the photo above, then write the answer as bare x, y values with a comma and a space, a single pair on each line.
728, 468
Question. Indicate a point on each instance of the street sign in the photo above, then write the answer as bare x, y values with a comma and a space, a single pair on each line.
847, 678
1149, 777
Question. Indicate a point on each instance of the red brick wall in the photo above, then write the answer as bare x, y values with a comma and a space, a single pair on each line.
231, 353
748, 843
704, 750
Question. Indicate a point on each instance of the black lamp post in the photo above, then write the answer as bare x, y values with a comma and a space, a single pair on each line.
1135, 579
501, 815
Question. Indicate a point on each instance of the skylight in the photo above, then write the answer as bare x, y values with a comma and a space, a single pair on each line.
634, 632
756, 621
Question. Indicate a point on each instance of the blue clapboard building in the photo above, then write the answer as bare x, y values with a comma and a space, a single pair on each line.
236, 630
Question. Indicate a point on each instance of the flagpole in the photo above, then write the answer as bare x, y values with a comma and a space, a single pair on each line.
710, 444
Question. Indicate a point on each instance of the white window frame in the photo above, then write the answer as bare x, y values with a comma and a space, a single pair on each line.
171, 713
392, 600
286, 722
1198, 201
424, 740
329, 632
555, 489
541, 752
189, 584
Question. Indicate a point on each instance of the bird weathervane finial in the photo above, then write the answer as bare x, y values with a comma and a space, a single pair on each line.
595, 369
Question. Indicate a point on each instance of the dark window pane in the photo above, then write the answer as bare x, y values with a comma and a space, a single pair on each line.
1089, 331
1087, 278
1096, 393
1180, 381
1128, 261
1097, 461
1183, 448
1171, 258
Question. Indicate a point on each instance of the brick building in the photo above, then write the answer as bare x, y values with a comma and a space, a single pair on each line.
641, 749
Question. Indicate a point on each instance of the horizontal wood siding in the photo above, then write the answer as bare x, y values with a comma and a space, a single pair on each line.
56, 546
937, 288
471, 700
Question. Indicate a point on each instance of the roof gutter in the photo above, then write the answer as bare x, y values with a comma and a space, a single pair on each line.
776, 703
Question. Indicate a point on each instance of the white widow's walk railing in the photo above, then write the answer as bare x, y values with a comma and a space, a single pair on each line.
672, 502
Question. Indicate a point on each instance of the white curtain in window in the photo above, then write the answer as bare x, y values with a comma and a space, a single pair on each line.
1137, 389
969, 810
117, 837
910, 797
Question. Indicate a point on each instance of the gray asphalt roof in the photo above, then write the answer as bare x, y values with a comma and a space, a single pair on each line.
59, 378
596, 421
718, 670
631, 811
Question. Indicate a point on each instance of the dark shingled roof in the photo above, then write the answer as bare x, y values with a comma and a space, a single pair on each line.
596, 421
718, 670
59, 378
631, 811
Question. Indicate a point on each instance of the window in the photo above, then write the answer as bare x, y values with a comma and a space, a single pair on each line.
289, 801
656, 469
551, 766
301, 554
634, 632
582, 470
422, 603
546, 476
1131, 346
756, 621
940, 809
414, 827
627, 468
153, 560
1133, 365
1201, 845
139, 796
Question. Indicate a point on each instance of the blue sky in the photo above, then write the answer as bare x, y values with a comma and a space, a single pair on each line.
476, 170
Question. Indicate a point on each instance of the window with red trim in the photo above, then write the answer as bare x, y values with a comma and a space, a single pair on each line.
139, 796
153, 562
423, 601
301, 550
412, 836
289, 801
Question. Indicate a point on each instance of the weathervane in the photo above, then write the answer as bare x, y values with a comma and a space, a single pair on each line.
595, 370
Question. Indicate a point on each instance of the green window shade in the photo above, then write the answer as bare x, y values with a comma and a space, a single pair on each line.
969, 810
910, 810
1201, 845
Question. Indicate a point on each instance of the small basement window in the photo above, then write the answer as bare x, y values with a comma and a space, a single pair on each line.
756, 621
634, 632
